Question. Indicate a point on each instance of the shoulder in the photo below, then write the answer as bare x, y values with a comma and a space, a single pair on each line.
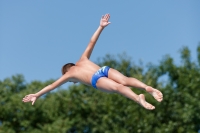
72, 71
83, 60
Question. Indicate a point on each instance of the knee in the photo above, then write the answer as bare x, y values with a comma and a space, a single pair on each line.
118, 88
124, 81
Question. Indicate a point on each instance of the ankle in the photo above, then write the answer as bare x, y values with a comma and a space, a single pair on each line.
145, 88
138, 98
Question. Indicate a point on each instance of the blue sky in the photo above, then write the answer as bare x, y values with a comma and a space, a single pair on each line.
38, 37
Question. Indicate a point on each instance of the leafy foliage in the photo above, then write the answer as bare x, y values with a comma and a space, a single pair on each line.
80, 108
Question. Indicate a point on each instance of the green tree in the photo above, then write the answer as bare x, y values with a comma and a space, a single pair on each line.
80, 108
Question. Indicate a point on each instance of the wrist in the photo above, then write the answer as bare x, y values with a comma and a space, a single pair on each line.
37, 95
101, 26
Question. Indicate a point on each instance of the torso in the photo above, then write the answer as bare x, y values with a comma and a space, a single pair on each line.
83, 71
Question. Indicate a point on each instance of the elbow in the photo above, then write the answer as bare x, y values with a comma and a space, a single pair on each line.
92, 42
55, 85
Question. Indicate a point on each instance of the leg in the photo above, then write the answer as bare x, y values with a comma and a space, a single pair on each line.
108, 85
129, 81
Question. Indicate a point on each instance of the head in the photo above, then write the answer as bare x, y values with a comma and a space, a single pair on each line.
66, 67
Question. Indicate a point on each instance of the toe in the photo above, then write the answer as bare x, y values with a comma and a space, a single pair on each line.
160, 99
151, 107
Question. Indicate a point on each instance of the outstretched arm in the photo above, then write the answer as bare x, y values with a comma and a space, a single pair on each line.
33, 97
103, 23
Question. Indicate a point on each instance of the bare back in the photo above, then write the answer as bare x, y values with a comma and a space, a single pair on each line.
83, 71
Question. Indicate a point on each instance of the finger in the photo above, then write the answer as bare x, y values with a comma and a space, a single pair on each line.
33, 102
104, 16
27, 95
108, 16
107, 23
26, 98
26, 101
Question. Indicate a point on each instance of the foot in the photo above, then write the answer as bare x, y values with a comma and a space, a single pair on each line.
145, 104
155, 93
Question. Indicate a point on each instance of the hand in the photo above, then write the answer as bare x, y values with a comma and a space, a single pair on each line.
30, 98
104, 20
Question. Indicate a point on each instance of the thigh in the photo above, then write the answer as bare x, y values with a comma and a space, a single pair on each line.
107, 85
117, 76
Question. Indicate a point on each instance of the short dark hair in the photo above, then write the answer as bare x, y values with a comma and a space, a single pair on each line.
66, 67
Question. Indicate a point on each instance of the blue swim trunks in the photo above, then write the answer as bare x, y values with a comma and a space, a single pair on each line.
102, 72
